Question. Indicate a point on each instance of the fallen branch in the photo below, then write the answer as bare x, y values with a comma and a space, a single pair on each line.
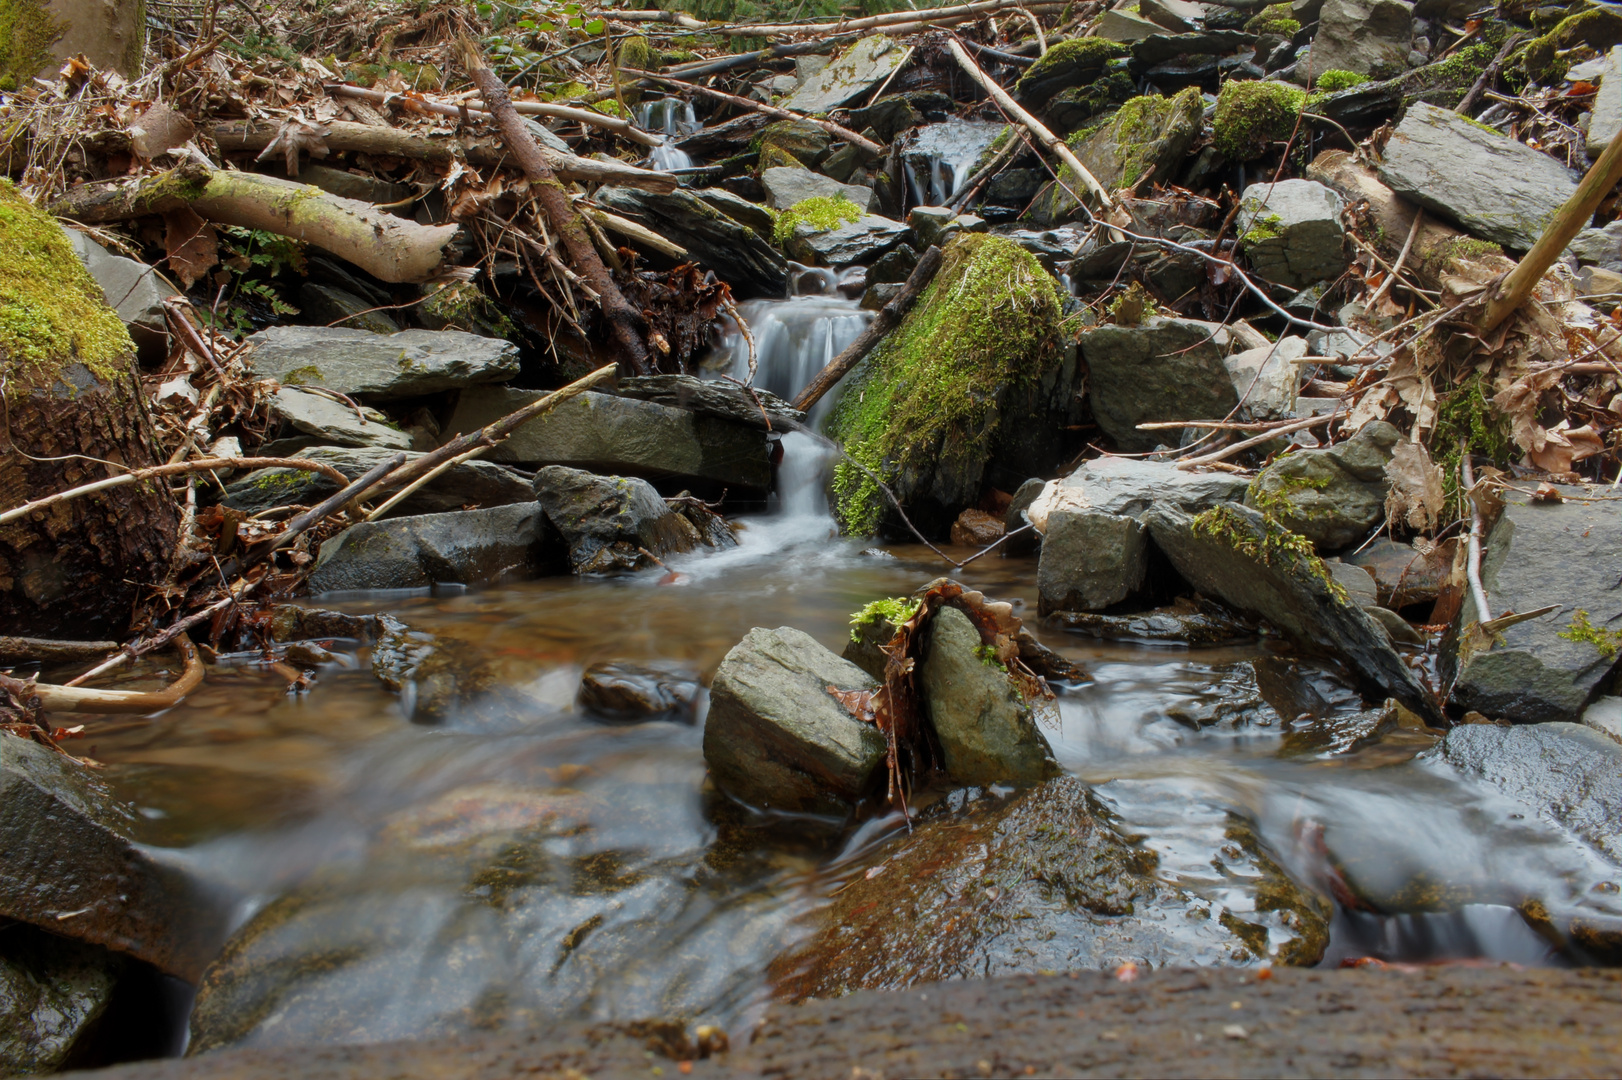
624, 320
1035, 126
698, 69
80, 699
882, 324
1472, 565
349, 493
177, 469
829, 126
1402, 257
419, 104
1246, 444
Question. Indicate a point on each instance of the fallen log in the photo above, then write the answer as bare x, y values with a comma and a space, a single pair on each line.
829, 126
344, 135
882, 324
624, 321
417, 104
15, 650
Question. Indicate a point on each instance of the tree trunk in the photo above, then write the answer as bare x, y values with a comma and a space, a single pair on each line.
72, 405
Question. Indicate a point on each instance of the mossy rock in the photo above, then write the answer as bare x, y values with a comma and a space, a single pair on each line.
1274, 19
1251, 116
925, 409
1071, 109
1077, 62
1140, 144
1542, 59
792, 142
28, 31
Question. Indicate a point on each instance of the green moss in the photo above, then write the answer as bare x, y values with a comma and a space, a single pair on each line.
52, 312
1276, 502
821, 212
1080, 52
28, 32
1606, 641
635, 52
931, 389
307, 375
1264, 227
1251, 116
678, 56
1334, 80
1467, 415
894, 610
1542, 59
1276, 546
1274, 19
1135, 131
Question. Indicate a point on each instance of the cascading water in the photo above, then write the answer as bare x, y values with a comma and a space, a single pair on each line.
670, 118
942, 157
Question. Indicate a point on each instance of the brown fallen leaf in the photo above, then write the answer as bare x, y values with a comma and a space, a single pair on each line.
192, 245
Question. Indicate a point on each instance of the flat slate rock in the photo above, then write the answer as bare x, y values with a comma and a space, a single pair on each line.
471, 483
380, 366
786, 185
332, 423
1160, 370
860, 241
465, 547
710, 397
859, 68
712, 238
1491, 185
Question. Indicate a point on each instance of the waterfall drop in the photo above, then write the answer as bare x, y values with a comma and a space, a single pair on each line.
670, 118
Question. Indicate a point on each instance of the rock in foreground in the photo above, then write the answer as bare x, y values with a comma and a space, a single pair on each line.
611, 523
467, 547
380, 367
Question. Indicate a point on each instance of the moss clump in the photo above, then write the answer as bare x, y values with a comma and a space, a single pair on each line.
1542, 59
1276, 546
821, 212
52, 312
28, 32
1136, 137
635, 52
1251, 116
1334, 80
1081, 53
931, 391
1274, 19
1275, 502
1606, 641
894, 610
1467, 415
1264, 227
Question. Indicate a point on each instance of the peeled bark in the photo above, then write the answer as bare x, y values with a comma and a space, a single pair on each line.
72, 404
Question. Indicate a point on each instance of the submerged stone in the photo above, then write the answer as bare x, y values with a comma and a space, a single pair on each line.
52, 993
619, 690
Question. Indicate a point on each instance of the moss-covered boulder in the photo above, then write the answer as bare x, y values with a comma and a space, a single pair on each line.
971, 385
793, 143
1251, 116
1141, 144
1543, 59
73, 404
1073, 63
1074, 108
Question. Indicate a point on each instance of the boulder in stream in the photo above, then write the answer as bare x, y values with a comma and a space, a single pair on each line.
380, 367
777, 739
786, 185
862, 241
1332, 496
619, 690
464, 547
611, 523
52, 992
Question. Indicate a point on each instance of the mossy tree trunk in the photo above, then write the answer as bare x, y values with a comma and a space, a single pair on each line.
72, 413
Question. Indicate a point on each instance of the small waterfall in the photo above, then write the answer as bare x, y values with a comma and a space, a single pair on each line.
671, 118
942, 157
795, 339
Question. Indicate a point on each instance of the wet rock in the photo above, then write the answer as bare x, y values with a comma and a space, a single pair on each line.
894, 268
786, 186
1119, 485
1038, 882
862, 241
328, 305
52, 992
929, 224
739, 256
1572, 775
465, 547
1090, 560
620, 690
605, 433
1160, 47
380, 367
291, 622
1332, 496
436, 677
133, 289
986, 730
1395, 626
709, 397
1292, 232
775, 738
791, 143
1143, 143
71, 867
1266, 378
1606, 121
1370, 37
1123, 26
1402, 574
609, 523
1077, 62
1605, 717
1234, 554
326, 422
858, 69
1358, 582
1569, 554
1178, 16
1186, 622
888, 117
1490, 185
753, 215
472, 483
976, 528
1162, 369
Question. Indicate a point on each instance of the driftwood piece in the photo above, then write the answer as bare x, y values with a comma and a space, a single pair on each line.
829, 126
15, 650
624, 321
886, 320
85, 700
122, 199
345, 135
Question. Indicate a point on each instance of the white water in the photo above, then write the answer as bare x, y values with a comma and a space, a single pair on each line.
670, 118
795, 339
951, 149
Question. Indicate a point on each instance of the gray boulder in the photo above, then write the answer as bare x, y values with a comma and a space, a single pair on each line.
986, 732
1292, 231
1160, 370
471, 483
756, 217
72, 869
609, 522
1569, 554
1267, 377
1332, 496
323, 421
328, 305
711, 397
1606, 121
1600, 247
854, 242
380, 367
738, 255
1143, 143
1492, 186
1370, 37
52, 992
1119, 485
605, 433
858, 69
1090, 560
775, 738
1233, 553
1570, 774
466, 547
133, 289
786, 185
1118, 25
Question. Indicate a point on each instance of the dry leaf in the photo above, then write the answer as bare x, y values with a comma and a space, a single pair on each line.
192, 245
1416, 496
159, 130
1563, 445
859, 703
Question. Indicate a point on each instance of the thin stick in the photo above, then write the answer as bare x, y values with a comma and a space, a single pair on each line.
177, 469
1402, 256
1043, 135
442, 467
1488, 75
1041, 38
829, 126
1472, 565
1229, 451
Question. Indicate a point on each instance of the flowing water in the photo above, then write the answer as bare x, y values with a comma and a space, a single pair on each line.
536, 862
671, 118
942, 157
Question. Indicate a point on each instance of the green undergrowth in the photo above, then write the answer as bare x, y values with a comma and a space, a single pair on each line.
53, 312
894, 610
1276, 546
1606, 641
1277, 502
821, 212
1274, 19
1264, 227
1466, 415
931, 390
1334, 80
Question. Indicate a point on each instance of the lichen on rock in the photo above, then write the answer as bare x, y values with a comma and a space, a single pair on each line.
28, 32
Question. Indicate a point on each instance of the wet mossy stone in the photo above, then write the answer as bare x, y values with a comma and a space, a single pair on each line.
1333, 496
610, 523
800, 140
52, 992
1251, 116
1598, 27
1070, 109
1140, 144
1073, 63
924, 410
